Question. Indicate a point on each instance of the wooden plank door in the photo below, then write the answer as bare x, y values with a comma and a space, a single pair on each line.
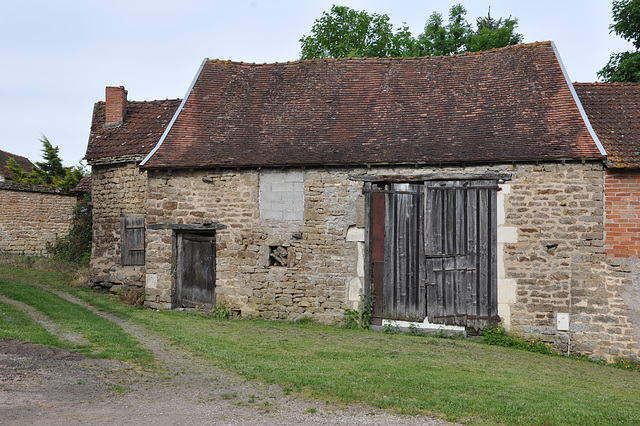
196, 270
460, 251
396, 250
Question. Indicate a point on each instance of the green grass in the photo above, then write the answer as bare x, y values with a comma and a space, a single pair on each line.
15, 324
106, 339
460, 380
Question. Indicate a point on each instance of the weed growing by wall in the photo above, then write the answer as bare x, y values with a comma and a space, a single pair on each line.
75, 247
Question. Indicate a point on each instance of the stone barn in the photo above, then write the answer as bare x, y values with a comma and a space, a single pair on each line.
452, 191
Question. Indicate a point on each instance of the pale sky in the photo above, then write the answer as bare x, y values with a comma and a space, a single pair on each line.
56, 57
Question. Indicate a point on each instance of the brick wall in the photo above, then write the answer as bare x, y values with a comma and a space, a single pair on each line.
115, 190
622, 212
32, 216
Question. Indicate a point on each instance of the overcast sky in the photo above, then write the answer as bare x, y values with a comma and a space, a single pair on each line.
56, 57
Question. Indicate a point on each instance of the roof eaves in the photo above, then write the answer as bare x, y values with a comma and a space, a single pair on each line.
578, 103
175, 116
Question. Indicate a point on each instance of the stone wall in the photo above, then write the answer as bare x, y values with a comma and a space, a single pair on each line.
116, 190
320, 259
558, 261
32, 216
550, 240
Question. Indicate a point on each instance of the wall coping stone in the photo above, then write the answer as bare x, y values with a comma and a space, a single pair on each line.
13, 186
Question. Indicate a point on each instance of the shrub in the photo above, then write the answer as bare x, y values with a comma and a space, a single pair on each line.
75, 247
500, 337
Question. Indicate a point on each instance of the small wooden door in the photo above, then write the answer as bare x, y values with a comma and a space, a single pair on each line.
196, 270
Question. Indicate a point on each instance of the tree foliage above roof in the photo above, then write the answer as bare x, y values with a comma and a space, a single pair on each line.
49, 172
625, 66
344, 32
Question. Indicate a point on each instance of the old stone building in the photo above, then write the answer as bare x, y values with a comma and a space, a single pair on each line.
456, 191
122, 134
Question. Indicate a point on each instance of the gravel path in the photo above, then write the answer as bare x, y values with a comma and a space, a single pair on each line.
44, 386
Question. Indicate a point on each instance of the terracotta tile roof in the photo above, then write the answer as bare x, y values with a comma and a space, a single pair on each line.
83, 186
503, 105
144, 123
614, 112
22, 162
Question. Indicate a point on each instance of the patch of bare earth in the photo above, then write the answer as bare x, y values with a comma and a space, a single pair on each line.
40, 385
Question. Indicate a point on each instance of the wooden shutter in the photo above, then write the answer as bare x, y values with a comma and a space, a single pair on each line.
132, 239
460, 250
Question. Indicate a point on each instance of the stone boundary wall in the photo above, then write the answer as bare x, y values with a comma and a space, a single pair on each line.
116, 190
32, 216
622, 213
550, 235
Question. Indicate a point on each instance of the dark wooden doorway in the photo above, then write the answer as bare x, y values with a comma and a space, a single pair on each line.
397, 255
432, 251
460, 251
196, 280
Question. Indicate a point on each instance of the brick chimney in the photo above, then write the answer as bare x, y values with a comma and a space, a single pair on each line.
116, 100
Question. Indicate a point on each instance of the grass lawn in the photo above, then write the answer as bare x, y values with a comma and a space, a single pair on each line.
460, 380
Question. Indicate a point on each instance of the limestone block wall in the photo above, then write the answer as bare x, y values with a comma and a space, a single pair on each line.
32, 216
551, 255
116, 190
320, 259
558, 261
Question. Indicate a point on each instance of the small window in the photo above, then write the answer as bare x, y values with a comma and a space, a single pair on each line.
132, 239
278, 256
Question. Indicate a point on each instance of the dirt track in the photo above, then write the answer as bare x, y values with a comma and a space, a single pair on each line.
40, 385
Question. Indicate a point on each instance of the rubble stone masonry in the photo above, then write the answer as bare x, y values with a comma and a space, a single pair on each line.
550, 240
116, 190
32, 216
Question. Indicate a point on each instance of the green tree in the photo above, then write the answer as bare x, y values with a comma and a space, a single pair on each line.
49, 172
345, 32
18, 174
624, 67
439, 39
492, 34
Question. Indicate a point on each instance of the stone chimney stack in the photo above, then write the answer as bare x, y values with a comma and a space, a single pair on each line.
116, 100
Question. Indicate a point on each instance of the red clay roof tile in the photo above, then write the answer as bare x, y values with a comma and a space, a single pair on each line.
23, 162
511, 104
144, 123
614, 112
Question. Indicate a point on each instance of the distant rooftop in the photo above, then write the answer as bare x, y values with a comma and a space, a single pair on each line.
23, 162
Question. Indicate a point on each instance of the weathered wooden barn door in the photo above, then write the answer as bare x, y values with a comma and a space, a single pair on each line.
460, 251
396, 250
196, 280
